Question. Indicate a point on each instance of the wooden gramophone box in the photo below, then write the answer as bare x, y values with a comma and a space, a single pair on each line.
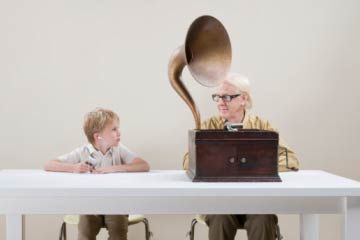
247, 155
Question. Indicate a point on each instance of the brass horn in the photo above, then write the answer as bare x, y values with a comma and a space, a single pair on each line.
207, 53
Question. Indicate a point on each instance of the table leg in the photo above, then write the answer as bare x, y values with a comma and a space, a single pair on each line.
309, 227
15, 227
351, 227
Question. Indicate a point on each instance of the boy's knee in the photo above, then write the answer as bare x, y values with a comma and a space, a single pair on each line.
117, 224
89, 226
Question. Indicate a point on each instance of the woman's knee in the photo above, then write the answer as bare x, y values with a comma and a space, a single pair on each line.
221, 220
261, 220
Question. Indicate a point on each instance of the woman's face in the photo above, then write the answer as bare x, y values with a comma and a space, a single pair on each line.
230, 109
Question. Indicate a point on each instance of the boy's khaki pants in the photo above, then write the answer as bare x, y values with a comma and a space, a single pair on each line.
258, 227
90, 225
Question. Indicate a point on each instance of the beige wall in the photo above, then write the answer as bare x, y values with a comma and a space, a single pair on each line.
60, 59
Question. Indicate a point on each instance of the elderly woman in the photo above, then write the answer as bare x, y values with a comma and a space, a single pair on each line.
233, 101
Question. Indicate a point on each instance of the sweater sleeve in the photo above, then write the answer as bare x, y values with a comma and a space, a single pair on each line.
286, 157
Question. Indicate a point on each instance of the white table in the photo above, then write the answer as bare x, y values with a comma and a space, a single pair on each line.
307, 193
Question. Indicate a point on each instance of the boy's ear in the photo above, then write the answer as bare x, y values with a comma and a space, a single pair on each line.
96, 136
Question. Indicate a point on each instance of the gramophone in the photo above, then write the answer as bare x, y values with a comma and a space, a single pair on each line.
219, 155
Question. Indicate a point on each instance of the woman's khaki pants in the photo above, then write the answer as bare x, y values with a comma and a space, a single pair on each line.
258, 227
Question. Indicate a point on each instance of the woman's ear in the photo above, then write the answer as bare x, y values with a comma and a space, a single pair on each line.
244, 99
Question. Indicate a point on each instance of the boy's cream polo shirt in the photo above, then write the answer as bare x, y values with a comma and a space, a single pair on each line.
87, 153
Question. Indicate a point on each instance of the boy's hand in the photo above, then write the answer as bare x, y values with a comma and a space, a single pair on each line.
82, 168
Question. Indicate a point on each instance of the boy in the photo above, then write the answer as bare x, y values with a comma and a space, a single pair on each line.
103, 154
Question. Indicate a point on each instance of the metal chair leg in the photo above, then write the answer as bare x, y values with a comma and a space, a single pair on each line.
148, 233
62, 235
191, 233
278, 234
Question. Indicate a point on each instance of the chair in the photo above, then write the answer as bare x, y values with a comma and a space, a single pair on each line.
132, 219
201, 219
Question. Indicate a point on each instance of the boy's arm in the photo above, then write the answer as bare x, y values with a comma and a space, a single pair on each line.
59, 166
70, 162
136, 165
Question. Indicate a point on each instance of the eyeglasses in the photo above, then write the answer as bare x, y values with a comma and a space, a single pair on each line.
225, 98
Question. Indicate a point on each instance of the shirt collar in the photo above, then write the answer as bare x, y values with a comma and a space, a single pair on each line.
245, 119
92, 149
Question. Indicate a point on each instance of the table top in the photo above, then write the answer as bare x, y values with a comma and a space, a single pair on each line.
39, 183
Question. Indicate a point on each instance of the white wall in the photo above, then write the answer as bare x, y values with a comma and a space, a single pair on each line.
60, 59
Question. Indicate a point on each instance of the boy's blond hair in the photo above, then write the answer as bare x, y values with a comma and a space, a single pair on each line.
96, 120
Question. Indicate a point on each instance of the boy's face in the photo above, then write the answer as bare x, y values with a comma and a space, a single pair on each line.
110, 135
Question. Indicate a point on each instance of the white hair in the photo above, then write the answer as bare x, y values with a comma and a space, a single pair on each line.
241, 83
